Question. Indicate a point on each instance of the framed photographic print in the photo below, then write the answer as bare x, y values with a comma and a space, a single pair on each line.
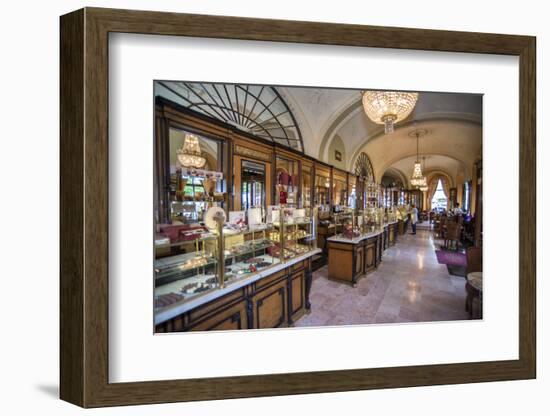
256, 207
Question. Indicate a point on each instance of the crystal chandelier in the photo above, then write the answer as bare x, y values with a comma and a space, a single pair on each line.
424, 186
190, 155
388, 107
417, 179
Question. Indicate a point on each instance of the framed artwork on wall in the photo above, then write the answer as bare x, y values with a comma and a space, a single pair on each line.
118, 349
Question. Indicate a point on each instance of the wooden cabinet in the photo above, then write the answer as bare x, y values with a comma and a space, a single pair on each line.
276, 300
269, 306
360, 260
297, 295
392, 234
350, 260
234, 317
343, 261
370, 254
380, 249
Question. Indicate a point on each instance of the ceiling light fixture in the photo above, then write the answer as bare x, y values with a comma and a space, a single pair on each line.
388, 107
417, 179
424, 186
190, 155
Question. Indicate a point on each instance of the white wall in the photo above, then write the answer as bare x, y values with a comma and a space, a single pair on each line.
29, 212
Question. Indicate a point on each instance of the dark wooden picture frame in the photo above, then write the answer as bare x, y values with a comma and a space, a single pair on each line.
84, 207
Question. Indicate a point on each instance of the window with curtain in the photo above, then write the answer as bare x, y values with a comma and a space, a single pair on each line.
439, 199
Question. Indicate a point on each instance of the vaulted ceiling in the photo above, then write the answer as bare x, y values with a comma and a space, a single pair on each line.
452, 123
329, 117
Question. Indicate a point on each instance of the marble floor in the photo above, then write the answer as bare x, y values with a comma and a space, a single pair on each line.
408, 286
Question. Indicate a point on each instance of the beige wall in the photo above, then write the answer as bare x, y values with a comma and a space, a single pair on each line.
337, 144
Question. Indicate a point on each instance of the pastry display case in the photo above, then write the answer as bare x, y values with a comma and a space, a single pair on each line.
287, 181
322, 187
339, 185
292, 234
307, 186
391, 214
352, 192
247, 252
214, 256
184, 276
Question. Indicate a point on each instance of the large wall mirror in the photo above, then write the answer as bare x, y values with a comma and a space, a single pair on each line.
196, 175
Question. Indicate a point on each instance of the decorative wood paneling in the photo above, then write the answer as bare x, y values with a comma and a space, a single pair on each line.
270, 307
215, 305
252, 153
230, 318
297, 283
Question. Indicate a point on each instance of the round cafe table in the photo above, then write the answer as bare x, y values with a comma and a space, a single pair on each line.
474, 288
476, 280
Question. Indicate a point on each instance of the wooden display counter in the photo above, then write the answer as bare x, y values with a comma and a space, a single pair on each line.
350, 259
390, 231
402, 226
273, 298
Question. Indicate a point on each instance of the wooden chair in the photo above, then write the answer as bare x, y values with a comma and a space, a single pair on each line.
474, 263
442, 226
473, 260
452, 234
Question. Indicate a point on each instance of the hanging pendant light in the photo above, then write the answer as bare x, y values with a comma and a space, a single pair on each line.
190, 155
424, 186
417, 179
388, 107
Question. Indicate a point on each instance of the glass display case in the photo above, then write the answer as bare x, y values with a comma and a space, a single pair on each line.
209, 262
287, 181
339, 184
186, 275
401, 212
372, 194
307, 181
352, 192
247, 252
391, 214
292, 234
322, 187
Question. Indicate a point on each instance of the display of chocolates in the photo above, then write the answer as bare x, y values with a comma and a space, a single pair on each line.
253, 260
167, 299
245, 254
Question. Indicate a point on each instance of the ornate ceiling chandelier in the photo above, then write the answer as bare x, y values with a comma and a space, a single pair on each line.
388, 107
190, 155
417, 179
424, 186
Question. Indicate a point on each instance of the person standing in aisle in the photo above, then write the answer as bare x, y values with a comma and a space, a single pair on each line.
414, 218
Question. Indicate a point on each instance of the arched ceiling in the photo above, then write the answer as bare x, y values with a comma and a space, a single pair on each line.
453, 122
453, 144
437, 163
324, 114
315, 110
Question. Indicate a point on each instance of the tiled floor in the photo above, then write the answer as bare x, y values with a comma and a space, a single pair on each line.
408, 286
